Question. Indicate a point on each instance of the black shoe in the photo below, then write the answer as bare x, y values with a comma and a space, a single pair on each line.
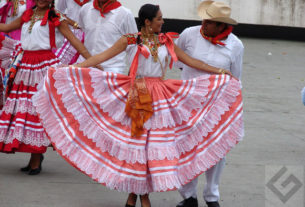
36, 171
190, 202
129, 205
25, 169
213, 204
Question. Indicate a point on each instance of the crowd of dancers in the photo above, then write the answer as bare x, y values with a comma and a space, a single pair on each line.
83, 79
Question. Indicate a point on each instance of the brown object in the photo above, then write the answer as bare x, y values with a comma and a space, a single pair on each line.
138, 106
215, 11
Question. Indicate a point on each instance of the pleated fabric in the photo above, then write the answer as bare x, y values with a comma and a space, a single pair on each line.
195, 123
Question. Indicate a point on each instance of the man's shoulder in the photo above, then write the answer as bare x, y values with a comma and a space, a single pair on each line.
235, 41
191, 29
124, 11
86, 7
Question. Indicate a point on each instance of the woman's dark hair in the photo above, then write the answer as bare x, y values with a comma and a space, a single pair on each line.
52, 12
147, 11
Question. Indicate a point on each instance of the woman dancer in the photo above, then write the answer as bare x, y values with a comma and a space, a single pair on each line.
20, 128
11, 10
141, 133
71, 8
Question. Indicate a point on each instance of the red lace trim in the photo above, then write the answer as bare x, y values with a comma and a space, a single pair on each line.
81, 3
107, 7
217, 40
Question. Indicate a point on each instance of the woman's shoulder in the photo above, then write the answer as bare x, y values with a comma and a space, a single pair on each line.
132, 38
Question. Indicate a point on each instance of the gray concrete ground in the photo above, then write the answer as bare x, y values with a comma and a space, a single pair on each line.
273, 76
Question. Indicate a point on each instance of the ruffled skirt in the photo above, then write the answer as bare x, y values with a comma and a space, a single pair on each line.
67, 53
20, 128
194, 125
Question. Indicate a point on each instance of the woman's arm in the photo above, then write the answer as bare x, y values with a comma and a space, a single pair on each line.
75, 42
116, 49
195, 63
14, 25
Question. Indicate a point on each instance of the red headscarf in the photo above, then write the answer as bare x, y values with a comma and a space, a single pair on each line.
107, 6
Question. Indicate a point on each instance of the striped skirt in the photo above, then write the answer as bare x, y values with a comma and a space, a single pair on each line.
194, 125
67, 53
20, 128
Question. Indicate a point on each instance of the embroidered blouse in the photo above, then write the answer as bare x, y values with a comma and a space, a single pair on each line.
143, 63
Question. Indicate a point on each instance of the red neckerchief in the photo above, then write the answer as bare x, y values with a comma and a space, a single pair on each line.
81, 3
55, 22
107, 7
217, 40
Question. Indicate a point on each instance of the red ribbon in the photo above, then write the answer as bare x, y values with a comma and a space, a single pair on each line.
107, 6
167, 39
134, 65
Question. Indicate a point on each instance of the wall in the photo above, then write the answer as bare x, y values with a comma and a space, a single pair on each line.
264, 12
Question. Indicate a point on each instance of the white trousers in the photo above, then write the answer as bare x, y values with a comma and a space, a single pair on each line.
211, 191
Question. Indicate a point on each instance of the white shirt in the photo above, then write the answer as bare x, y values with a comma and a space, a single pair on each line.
101, 33
10, 17
39, 38
70, 8
229, 57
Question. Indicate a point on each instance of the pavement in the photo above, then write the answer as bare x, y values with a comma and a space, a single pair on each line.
273, 76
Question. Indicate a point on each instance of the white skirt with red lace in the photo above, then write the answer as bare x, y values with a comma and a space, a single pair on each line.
20, 128
194, 125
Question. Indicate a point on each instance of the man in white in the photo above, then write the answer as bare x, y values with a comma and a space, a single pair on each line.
104, 22
213, 43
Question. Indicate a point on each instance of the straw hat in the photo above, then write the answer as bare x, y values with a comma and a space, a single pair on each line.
215, 11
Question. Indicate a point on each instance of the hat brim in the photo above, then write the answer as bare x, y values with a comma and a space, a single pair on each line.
202, 13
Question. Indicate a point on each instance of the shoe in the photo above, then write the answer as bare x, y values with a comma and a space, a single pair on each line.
190, 202
36, 171
25, 169
213, 204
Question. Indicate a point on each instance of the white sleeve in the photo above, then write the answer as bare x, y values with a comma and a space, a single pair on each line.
237, 64
61, 6
81, 18
303, 95
129, 25
181, 43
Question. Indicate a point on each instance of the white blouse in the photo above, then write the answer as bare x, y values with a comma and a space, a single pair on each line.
39, 38
147, 67
101, 33
228, 57
70, 8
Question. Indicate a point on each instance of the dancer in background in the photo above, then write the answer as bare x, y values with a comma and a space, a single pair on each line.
71, 9
213, 43
41, 30
104, 22
141, 133
11, 10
